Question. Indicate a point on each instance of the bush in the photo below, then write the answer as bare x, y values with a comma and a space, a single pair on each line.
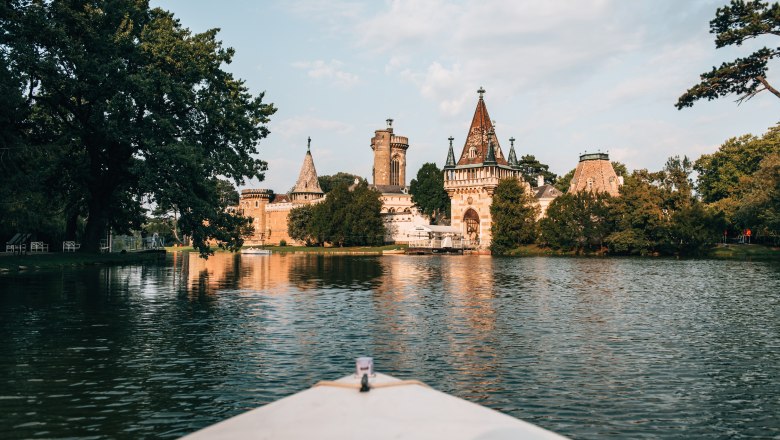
282, 243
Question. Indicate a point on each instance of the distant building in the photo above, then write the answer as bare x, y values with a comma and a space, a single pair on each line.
595, 173
399, 214
269, 211
471, 181
544, 194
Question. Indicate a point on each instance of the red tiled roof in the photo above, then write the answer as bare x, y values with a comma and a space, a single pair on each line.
477, 137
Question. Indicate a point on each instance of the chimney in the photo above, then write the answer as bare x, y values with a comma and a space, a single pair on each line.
620, 180
539, 181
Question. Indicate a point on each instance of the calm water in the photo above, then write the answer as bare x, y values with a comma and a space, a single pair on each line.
590, 348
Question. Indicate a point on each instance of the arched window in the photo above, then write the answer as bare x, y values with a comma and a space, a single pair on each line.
472, 152
395, 171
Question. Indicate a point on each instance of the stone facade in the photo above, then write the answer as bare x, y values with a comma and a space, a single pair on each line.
399, 214
471, 181
595, 173
389, 157
269, 212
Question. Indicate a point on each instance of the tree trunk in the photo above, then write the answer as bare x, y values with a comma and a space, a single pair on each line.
96, 227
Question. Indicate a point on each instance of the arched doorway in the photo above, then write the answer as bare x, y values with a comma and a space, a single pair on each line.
471, 223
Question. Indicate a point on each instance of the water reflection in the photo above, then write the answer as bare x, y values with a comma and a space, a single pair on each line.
591, 348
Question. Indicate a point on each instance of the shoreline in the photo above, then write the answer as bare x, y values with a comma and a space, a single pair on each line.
58, 260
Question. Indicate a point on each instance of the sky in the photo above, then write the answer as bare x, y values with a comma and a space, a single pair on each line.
562, 77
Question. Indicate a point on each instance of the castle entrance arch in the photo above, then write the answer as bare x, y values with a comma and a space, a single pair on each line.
471, 223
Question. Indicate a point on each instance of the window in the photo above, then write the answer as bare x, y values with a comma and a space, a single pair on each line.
395, 171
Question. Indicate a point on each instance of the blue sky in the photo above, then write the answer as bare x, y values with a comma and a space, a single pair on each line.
562, 77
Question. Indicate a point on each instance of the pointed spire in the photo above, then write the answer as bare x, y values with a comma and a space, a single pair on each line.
490, 158
308, 182
513, 162
481, 133
450, 155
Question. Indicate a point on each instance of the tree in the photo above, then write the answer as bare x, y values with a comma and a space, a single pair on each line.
299, 224
346, 218
746, 77
640, 221
327, 183
577, 221
724, 176
563, 182
514, 215
428, 194
759, 208
133, 107
531, 168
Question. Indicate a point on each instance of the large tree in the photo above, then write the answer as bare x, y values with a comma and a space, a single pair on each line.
347, 217
734, 24
577, 221
514, 213
131, 107
328, 182
427, 191
531, 169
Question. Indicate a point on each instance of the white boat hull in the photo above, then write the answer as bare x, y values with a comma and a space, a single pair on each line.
392, 409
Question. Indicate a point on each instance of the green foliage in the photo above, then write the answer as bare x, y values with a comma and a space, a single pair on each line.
428, 193
130, 107
345, 218
577, 221
531, 168
720, 172
514, 215
733, 25
327, 183
299, 225
563, 182
282, 243
759, 206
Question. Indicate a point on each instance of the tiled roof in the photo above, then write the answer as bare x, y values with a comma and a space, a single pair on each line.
477, 138
307, 179
546, 191
595, 173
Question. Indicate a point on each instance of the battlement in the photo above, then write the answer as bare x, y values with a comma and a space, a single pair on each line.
594, 156
256, 193
399, 141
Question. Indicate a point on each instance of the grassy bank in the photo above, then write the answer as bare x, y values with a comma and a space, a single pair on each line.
726, 252
745, 252
55, 260
312, 249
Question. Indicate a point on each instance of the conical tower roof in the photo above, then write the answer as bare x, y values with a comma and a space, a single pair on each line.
477, 140
512, 160
450, 156
307, 179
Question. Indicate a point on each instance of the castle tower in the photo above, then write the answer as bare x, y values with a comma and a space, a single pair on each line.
252, 204
308, 186
389, 157
471, 182
595, 173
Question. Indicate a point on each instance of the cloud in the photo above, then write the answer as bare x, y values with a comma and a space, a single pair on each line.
299, 127
328, 70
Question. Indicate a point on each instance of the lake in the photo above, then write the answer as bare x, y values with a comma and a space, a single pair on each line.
586, 347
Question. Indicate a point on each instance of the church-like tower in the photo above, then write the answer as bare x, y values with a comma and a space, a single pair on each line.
307, 187
471, 181
389, 157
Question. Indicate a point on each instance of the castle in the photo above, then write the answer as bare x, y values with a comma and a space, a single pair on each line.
471, 181
269, 211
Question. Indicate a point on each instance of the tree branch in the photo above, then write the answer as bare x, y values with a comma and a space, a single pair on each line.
763, 81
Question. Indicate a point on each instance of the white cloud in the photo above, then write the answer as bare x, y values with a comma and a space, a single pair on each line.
299, 127
328, 70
